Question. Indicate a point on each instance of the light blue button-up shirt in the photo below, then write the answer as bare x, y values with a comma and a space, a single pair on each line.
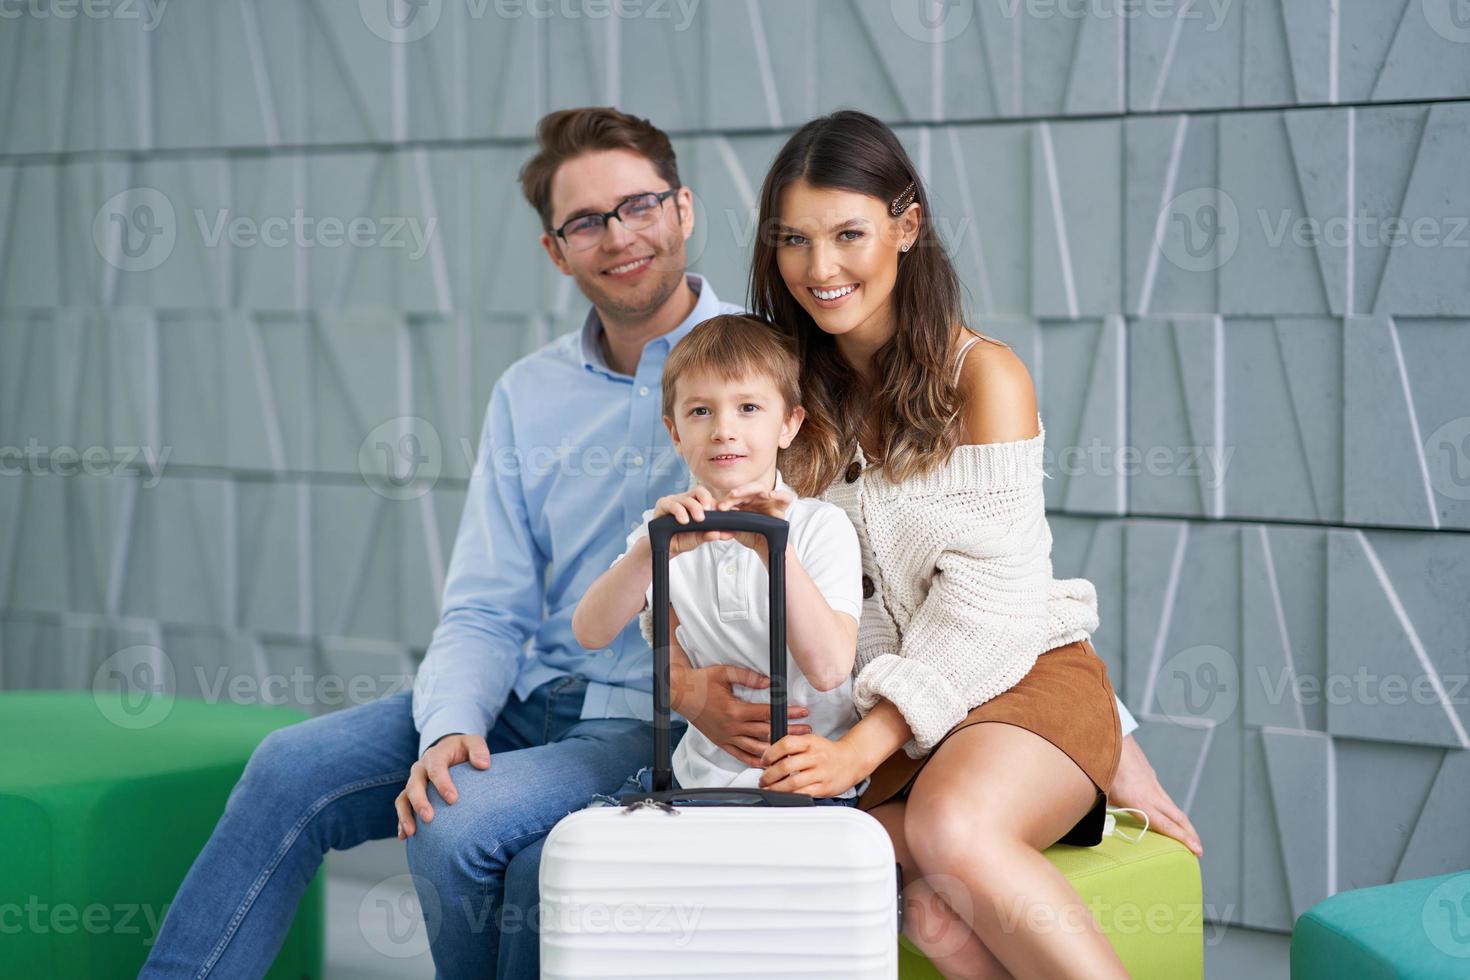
571, 455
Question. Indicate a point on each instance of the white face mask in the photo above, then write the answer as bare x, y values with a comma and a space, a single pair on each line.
1110, 823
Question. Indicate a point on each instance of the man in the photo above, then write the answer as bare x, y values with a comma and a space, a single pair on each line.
530, 724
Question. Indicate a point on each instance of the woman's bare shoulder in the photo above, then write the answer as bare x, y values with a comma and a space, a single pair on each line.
997, 397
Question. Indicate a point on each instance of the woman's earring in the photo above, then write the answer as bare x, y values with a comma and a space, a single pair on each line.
904, 247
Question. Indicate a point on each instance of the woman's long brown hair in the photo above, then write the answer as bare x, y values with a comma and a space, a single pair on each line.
917, 403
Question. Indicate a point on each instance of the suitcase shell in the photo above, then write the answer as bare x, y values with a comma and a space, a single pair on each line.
714, 892
660, 890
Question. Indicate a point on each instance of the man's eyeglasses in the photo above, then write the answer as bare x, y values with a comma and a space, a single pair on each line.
637, 212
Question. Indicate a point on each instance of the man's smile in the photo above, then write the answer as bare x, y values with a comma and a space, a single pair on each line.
628, 269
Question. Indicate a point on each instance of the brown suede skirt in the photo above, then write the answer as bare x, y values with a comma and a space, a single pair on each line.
1067, 699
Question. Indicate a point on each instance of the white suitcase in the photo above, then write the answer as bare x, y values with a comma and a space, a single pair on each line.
744, 883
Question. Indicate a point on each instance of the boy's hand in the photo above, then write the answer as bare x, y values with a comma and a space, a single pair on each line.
812, 765
742, 728
686, 507
757, 499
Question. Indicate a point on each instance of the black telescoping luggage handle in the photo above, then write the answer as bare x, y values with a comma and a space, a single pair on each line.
660, 531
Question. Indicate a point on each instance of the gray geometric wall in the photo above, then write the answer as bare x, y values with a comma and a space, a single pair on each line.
1230, 240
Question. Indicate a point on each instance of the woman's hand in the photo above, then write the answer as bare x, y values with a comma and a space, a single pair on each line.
689, 506
1137, 786
756, 498
813, 765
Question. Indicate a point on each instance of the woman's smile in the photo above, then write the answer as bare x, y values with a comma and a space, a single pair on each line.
831, 297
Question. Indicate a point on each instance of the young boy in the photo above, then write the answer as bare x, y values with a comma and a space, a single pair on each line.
731, 404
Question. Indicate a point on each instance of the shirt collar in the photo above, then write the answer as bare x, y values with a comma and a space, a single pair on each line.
706, 305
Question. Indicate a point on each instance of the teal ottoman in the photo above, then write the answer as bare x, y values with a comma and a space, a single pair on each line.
1411, 929
104, 803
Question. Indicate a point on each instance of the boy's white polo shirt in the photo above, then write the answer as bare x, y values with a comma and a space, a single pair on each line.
720, 593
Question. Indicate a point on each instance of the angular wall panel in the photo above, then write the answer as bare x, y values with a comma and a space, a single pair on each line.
1030, 213
1078, 369
53, 377
1086, 547
1237, 417
1179, 227
1381, 791
1407, 422
1283, 616
724, 174
270, 590
1398, 640
1438, 840
1303, 773
1280, 52
1177, 410
1266, 899
176, 568
1308, 212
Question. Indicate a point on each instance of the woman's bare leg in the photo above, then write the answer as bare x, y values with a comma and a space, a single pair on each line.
992, 798
928, 920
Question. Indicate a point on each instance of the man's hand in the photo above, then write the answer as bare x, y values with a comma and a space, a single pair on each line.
813, 765
741, 728
1137, 785
450, 750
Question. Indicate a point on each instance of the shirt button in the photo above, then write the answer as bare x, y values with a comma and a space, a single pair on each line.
729, 569
854, 470
867, 587
607, 653
643, 391
637, 460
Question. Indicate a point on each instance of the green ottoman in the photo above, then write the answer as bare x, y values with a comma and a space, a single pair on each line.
1146, 897
104, 805
1412, 929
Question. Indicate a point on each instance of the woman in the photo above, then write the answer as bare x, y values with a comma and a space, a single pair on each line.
989, 726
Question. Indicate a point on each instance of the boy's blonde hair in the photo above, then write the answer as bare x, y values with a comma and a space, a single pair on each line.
733, 346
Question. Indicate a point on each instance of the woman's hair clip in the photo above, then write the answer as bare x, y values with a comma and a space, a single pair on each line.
900, 203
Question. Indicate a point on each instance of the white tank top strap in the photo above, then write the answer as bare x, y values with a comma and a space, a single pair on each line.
959, 360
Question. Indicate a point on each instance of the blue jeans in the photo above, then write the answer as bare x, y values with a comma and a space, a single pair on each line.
329, 783
523, 879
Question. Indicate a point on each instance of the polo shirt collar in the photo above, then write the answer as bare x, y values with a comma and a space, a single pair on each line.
706, 305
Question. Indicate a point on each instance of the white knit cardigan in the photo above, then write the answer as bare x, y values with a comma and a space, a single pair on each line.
962, 601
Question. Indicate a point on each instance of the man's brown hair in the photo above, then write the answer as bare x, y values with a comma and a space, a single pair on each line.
732, 346
569, 133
